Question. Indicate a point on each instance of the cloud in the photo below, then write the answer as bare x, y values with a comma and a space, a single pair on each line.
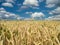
37, 14
51, 3
34, 7
28, 12
7, 15
41, 0
56, 17
55, 14
55, 11
31, 2
27, 19
20, 18
2, 9
58, 4
10, 1
24, 7
7, 4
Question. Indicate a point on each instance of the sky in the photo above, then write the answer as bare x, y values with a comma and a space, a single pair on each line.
30, 9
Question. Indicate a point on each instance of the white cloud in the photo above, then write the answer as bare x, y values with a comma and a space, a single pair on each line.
10, 1
27, 7
37, 14
55, 11
24, 7
56, 17
20, 18
34, 7
28, 12
55, 14
41, 0
31, 2
7, 4
7, 15
2, 9
27, 19
51, 3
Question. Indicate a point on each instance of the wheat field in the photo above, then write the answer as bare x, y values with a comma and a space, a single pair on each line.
29, 32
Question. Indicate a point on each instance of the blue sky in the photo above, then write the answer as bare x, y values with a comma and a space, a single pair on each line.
30, 9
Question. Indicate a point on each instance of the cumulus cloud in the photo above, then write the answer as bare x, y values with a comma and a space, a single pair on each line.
28, 12
41, 0
37, 16
34, 7
7, 15
55, 14
10, 1
20, 18
56, 17
51, 3
24, 7
31, 2
58, 4
7, 4
2, 9
55, 11
27, 19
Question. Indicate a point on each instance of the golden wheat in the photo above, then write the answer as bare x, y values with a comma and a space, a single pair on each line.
29, 32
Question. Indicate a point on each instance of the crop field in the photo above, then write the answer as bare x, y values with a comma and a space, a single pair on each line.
29, 32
